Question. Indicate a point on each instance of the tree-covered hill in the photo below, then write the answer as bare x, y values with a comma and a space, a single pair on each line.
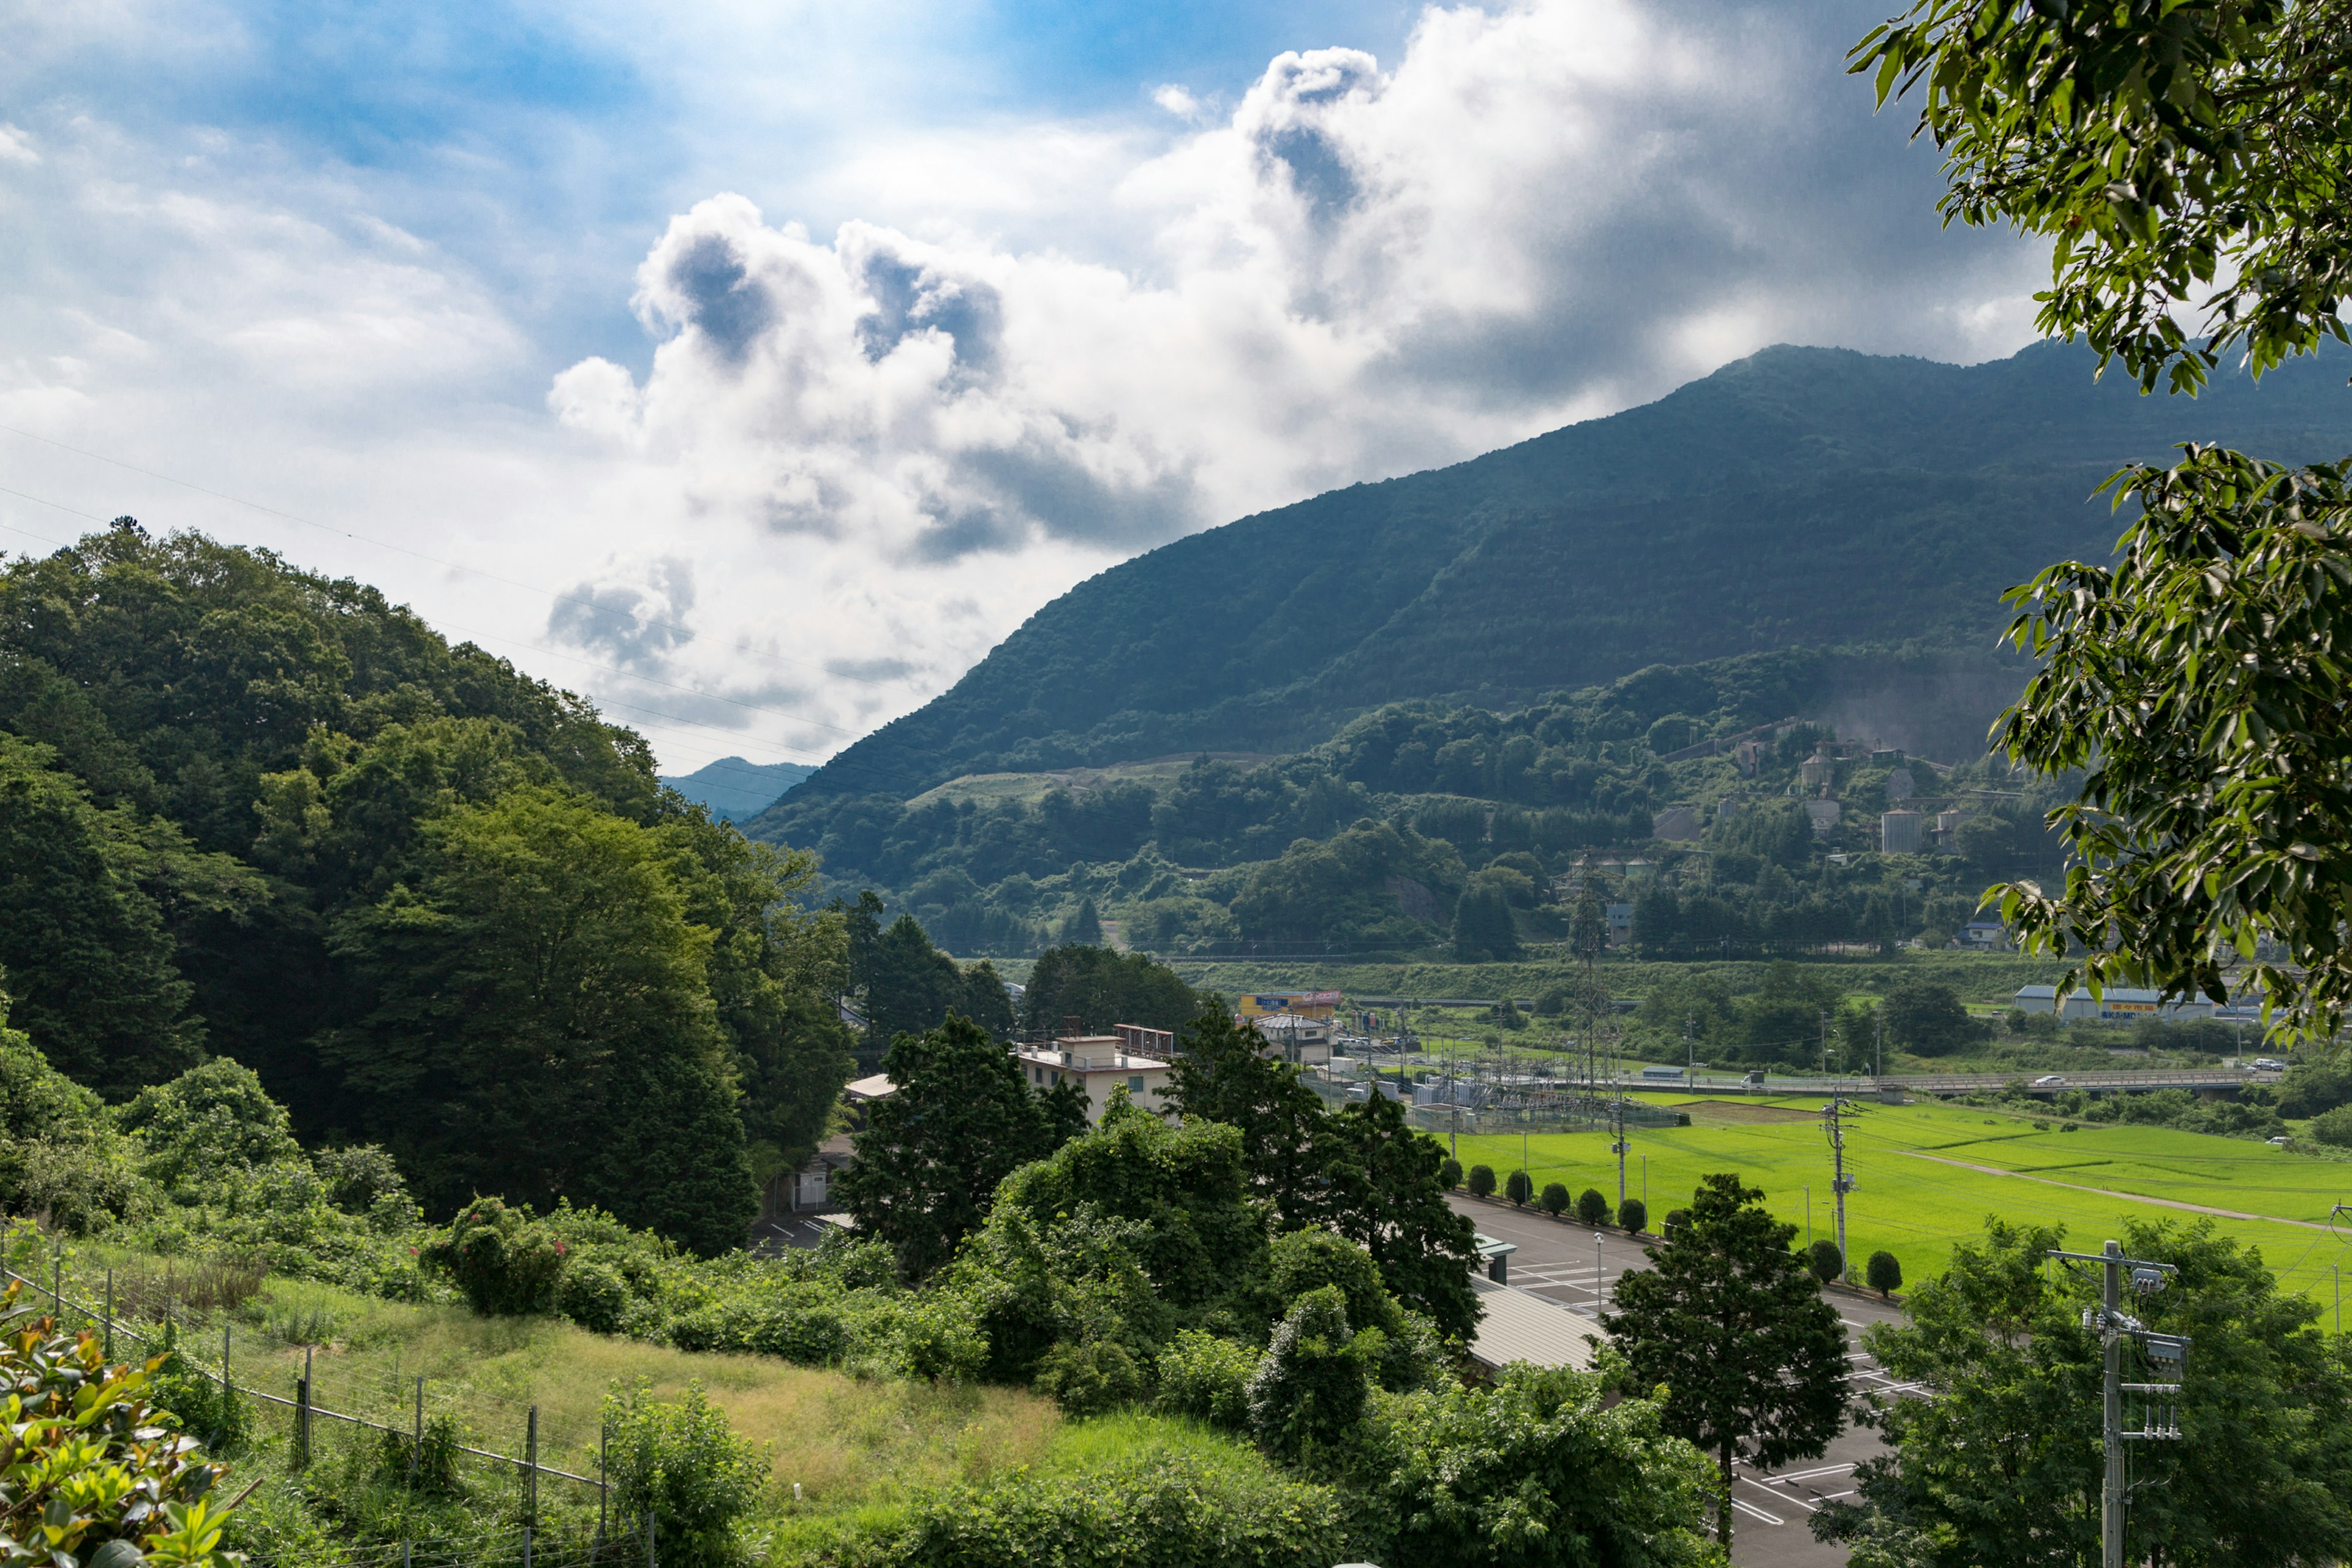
251, 812
1802, 497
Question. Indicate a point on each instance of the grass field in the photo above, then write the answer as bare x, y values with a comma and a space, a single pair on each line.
1917, 1194
859, 1450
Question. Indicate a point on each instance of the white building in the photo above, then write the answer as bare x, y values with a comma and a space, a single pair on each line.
1291, 1039
1825, 814
1098, 1064
2119, 1006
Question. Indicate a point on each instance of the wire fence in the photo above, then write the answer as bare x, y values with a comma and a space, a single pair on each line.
517, 1546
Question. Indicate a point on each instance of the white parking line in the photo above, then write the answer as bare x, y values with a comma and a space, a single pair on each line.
1754, 1512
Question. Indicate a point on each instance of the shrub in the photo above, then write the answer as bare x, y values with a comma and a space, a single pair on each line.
1592, 1208
1088, 1377
1481, 1180
504, 1262
85, 1472
1310, 1388
1449, 1173
212, 1415
1153, 1507
1884, 1272
1633, 1216
1825, 1260
1206, 1378
1555, 1199
592, 1293
1520, 1187
211, 1120
435, 1473
1304, 1260
2334, 1127
682, 1464
1675, 1220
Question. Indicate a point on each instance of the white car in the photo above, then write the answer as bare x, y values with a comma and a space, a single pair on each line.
2269, 1064
2052, 1081
2279, 1142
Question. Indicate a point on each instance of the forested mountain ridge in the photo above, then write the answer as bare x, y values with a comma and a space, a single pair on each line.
1801, 496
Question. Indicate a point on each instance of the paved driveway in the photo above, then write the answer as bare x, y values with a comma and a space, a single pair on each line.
1561, 1261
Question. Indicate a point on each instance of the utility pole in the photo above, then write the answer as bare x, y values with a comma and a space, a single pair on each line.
2161, 1422
1840, 1183
1825, 1048
1880, 1019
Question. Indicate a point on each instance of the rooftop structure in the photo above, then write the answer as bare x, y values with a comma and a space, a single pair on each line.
1099, 1065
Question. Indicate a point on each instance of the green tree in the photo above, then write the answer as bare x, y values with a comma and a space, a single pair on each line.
1101, 987
1223, 1074
1084, 928
1539, 1470
1633, 1216
1884, 1273
536, 1022
1518, 1186
1380, 1189
957, 1121
1825, 1260
1481, 1180
89, 961
1592, 1208
1483, 927
2174, 150
1555, 1199
1729, 1321
211, 1122
2004, 1463
1926, 1017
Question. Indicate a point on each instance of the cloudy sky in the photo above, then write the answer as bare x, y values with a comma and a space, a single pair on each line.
755, 368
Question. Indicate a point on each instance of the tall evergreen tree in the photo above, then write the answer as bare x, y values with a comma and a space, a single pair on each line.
1729, 1321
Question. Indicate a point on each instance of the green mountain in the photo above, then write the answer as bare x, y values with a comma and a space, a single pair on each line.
1799, 497
733, 789
1431, 701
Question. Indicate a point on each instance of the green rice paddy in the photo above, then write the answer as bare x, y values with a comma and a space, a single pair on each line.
1930, 1174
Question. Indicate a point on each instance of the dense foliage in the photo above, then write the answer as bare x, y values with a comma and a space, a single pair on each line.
250, 811
2001, 1459
2174, 150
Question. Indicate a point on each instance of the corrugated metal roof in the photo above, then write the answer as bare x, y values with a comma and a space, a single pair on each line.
1522, 1327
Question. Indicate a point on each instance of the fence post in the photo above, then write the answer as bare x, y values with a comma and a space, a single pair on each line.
302, 1415
603, 1491
109, 1319
228, 1390
58, 1286
649, 1538
529, 1481
416, 1449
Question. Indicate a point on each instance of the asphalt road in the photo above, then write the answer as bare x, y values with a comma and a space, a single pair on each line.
1560, 1260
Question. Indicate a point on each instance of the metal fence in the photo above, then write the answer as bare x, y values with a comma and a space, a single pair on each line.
611, 1545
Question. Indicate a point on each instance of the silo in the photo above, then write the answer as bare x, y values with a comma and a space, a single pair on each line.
1899, 832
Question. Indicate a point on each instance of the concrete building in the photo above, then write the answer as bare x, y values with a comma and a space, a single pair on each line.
1676, 824
1746, 756
2119, 1006
1816, 770
1097, 1064
1899, 832
1621, 923
1825, 814
1292, 1038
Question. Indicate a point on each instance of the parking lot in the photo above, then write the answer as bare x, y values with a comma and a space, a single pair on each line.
1576, 1266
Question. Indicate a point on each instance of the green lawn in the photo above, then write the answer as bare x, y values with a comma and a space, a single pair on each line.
1914, 1207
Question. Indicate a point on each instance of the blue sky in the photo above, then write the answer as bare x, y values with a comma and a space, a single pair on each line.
816, 346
